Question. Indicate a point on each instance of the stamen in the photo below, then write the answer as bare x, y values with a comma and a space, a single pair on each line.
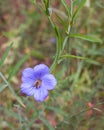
37, 83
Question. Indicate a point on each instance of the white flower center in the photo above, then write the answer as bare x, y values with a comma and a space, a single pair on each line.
37, 83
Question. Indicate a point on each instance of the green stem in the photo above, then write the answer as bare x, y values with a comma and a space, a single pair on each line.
76, 114
69, 26
59, 52
66, 41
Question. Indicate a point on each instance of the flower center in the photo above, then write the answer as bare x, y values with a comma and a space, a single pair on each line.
37, 83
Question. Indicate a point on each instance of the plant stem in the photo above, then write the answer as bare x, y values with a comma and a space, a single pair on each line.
58, 51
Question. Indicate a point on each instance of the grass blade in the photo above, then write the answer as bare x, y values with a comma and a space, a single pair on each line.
17, 66
5, 55
57, 110
46, 123
2, 87
12, 90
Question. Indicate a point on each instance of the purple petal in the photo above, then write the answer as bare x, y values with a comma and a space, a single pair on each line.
40, 70
27, 89
40, 94
28, 80
28, 72
28, 76
49, 82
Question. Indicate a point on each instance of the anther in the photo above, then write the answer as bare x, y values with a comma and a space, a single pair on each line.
37, 83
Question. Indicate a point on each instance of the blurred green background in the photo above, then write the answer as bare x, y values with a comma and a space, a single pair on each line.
77, 101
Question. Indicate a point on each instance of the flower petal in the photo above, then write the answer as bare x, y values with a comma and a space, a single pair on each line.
28, 80
28, 76
27, 89
49, 82
28, 72
40, 94
40, 70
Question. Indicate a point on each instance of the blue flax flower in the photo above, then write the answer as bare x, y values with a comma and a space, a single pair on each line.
37, 81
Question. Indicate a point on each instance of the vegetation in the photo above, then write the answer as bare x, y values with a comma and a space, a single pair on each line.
67, 36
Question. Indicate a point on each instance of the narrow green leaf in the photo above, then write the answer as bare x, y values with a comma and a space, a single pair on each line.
10, 113
73, 56
46, 3
33, 1
62, 20
9, 34
5, 55
17, 66
58, 39
57, 110
78, 9
78, 57
46, 123
37, 54
93, 62
12, 90
2, 87
66, 6
86, 37
19, 100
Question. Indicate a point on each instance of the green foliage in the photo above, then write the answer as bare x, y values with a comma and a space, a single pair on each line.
78, 9
77, 101
17, 66
2, 87
47, 123
66, 6
86, 37
5, 55
11, 89
72, 56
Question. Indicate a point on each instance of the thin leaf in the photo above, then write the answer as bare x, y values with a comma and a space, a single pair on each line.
78, 9
86, 37
12, 90
72, 56
37, 54
97, 109
78, 57
66, 6
93, 62
62, 19
17, 66
19, 100
10, 113
5, 55
57, 110
33, 1
2, 87
46, 3
46, 123
58, 38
